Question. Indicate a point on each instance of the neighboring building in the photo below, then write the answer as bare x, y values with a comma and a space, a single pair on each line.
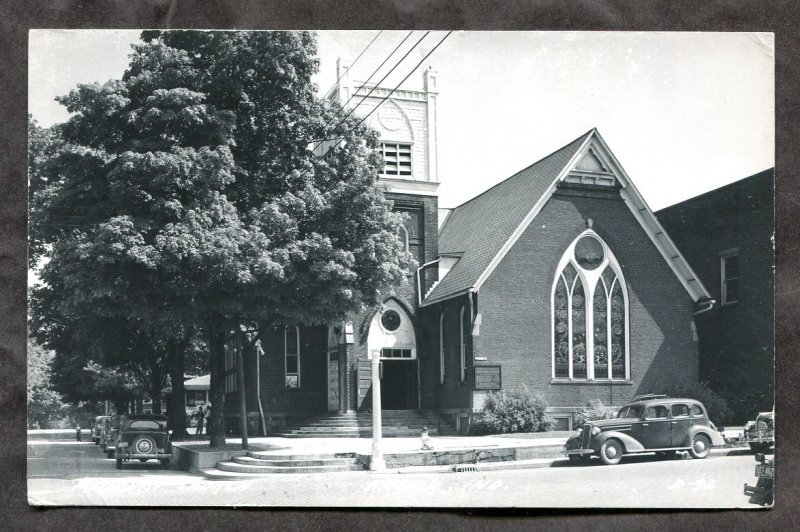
559, 278
727, 236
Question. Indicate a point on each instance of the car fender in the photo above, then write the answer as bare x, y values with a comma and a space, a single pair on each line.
631, 445
716, 438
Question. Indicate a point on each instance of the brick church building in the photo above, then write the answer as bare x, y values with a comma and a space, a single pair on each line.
559, 278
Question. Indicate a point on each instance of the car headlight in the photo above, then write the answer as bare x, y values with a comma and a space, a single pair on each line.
596, 431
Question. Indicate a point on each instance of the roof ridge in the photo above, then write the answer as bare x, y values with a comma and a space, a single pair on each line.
770, 170
523, 169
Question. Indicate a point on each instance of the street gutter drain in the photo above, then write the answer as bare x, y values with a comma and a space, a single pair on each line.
463, 468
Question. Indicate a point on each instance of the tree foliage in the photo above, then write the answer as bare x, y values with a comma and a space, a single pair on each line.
514, 410
186, 193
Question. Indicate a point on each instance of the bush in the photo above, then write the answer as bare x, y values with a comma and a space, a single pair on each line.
594, 410
514, 410
718, 411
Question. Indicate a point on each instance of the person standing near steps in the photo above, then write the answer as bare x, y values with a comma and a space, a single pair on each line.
201, 417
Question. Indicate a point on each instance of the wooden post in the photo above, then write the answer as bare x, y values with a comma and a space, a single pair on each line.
242, 394
376, 463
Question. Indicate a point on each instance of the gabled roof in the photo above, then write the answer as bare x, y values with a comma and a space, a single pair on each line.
484, 228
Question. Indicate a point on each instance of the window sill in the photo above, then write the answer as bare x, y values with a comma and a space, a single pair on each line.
594, 382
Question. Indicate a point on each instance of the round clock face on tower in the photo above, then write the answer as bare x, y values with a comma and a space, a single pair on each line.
390, 320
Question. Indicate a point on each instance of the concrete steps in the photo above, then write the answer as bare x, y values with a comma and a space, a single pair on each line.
395, 423
259, 464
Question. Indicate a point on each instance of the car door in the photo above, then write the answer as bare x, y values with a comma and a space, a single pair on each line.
681, 422
655, 431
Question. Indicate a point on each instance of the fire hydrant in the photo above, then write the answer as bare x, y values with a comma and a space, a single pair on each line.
426, 440
78, 433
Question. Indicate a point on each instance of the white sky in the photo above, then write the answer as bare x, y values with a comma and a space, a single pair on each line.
683, 112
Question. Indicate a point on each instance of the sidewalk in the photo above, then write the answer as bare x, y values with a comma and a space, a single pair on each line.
398, 452
405, 455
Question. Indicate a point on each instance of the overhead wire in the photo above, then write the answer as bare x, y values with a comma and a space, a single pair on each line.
383, 99
339, 76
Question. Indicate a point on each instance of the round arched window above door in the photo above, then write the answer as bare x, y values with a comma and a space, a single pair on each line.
390, 320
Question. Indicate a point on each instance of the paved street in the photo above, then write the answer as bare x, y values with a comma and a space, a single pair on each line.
72, 473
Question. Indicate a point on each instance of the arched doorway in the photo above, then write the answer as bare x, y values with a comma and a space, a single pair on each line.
392, 335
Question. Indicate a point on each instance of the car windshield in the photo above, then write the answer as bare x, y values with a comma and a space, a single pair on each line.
630, 411
144, 424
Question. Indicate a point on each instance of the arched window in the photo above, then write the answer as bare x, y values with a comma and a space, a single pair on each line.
441, 348
291, 352
590, 313
403, 234
463, 339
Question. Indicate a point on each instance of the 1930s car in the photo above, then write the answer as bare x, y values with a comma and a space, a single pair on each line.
762, 493
143, 437
653, 423
760, 434
109, 435
98, 426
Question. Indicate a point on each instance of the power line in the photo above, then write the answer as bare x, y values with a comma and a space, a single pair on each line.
378, 83
339, 77
392, 91
344, 105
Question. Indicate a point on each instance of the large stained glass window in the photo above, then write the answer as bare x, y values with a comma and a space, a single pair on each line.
561, 328
589, 314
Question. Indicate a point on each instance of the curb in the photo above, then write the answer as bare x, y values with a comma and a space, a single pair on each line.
529, 464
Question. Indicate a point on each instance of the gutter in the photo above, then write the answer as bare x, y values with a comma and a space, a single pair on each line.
704, 300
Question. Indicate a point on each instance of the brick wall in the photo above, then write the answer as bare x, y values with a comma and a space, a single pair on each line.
737, 340
515, 303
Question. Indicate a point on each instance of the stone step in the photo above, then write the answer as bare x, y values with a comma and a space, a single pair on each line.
267, 455
234, 467
367, 434
249, 460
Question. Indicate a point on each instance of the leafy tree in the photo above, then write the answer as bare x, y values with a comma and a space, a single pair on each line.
44, 404
194, 198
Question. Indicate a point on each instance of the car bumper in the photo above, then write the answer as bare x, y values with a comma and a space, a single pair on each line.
149, 456
755, 490
579, 452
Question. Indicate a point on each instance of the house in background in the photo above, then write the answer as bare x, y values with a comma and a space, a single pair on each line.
727, 237
559, 278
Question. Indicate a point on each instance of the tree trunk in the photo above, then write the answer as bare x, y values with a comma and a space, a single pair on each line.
178, 399
216, 346
155, 386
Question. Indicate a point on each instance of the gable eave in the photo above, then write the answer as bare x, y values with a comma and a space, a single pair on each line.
537, 207
636, 203
652, 227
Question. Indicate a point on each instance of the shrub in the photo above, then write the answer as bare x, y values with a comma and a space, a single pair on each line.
514, 410
716, 406
594, 410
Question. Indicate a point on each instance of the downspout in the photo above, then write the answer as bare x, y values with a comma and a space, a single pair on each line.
472, 345
710, 306
419, 279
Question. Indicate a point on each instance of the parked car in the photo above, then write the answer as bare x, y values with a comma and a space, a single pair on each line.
98, 426
760, 434
761, 493
143, 437
108, 438
653, 423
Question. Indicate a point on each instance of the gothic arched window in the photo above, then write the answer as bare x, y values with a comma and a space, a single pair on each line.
590, 309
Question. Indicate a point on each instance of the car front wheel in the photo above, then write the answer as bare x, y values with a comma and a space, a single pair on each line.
611, 452
701, 446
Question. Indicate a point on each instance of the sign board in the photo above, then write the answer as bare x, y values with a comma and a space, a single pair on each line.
487, 378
